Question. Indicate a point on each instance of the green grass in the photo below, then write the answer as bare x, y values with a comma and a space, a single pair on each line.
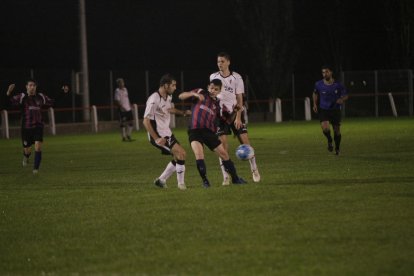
93, 207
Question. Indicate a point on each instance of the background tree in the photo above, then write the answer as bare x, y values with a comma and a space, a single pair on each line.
268, 30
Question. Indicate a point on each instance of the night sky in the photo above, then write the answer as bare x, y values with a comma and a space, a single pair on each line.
182, 35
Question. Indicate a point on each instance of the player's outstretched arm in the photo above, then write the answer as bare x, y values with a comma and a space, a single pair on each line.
342, 99
186, 95
10, 89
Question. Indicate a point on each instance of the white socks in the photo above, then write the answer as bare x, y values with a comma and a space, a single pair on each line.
252, 162
169, 170
180, 169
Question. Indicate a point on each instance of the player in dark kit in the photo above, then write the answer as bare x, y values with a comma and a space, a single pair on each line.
31, 104
202, 130
331, 95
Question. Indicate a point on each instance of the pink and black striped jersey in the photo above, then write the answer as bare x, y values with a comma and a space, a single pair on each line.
31, 107
204, 113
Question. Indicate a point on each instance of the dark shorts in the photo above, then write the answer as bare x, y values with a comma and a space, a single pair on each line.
333, 116
166, 149
224, 128
205, 136
125, 117
31, 135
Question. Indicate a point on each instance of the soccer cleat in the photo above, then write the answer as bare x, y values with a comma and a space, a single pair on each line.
35, 172
25, 161
226, 181
124, 139
337, 151
239, 181
206, 183
330, 147
182, 186
256, 175
160, 183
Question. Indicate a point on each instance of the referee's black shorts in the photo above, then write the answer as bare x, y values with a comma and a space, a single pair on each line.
334, 116
31, 135
205, 136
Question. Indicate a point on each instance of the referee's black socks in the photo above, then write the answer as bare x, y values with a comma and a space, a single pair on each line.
327, 133
337, 138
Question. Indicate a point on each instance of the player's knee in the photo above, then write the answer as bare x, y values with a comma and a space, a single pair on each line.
326, 129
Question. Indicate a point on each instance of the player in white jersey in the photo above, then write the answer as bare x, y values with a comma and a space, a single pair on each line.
231, 100
125, 112
157, 123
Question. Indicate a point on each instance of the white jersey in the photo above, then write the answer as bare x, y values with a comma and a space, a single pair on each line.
157, 110
232, 85
121, 96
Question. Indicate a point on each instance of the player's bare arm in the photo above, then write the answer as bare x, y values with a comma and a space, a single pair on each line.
10, 89
186, 95
239, 108
179, 112
342, 99
159, 140
315, 102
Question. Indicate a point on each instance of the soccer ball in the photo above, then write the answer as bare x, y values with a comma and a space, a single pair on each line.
244, 152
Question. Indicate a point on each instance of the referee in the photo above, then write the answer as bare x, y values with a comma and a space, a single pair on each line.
331, 95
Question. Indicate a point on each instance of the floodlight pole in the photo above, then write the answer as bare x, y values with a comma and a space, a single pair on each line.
84, 61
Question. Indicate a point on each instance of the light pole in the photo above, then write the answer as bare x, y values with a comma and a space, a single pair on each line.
84, 61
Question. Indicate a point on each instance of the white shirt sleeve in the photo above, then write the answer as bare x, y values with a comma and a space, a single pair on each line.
239, 85
150, 108
117, 96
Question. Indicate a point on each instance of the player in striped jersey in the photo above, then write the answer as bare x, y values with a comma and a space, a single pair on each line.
202, 129
157, 123
31, 104
231, 101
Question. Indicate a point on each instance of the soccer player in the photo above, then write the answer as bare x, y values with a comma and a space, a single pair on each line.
331, 95
202, 129
231, 100
125, 112
31, 104
157, 123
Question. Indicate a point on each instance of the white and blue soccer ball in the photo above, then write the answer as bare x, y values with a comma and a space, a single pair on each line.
244, 152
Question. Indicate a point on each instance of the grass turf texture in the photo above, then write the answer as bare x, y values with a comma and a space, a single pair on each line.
93, 207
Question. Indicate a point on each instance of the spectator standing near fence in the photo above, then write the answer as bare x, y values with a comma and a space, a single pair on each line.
124, 110
328, 97
31, 104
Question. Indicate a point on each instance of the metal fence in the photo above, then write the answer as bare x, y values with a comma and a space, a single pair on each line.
368, 92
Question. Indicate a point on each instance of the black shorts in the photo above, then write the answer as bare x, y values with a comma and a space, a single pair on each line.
125, 116
333, 116
31, 135
224, 128
205, 136
166, 149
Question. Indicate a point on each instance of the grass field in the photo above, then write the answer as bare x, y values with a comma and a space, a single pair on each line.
93, 207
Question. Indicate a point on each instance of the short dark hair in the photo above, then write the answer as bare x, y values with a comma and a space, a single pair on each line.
167, 79
31, 80
224, 54
216, 82
327, 66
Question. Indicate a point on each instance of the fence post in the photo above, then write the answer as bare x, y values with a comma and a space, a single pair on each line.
293, 98
5, 124
410, 92
51, 113
246, 116
308, 115
111, 96
172, 121
147, 85
94, 115
376, 93
394, 109
278, 110
136, 118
